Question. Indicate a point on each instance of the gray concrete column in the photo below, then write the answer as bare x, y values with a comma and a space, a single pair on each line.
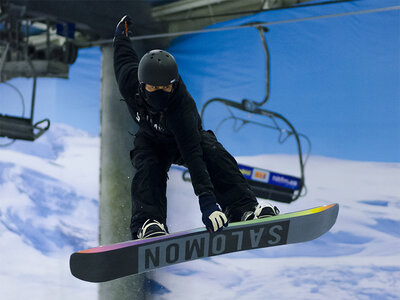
115, 178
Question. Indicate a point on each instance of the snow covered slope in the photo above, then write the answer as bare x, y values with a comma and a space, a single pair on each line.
49, 208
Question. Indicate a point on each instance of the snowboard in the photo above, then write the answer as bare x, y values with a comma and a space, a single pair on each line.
110, 262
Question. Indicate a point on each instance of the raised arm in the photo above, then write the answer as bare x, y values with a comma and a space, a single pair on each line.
125, 59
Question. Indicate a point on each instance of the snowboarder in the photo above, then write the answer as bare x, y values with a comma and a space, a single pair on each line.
170, 132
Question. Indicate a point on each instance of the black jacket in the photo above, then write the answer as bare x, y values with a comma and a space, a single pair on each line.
179, 124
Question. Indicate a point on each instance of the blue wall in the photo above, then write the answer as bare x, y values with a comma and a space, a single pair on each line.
336, 79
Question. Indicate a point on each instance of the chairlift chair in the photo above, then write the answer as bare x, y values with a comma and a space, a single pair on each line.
18, 128
266, 184
21, 128
16, 62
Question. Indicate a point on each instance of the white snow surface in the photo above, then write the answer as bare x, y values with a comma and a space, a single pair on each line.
49, 208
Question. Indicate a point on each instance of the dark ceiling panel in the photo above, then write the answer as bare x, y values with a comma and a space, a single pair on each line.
95, 17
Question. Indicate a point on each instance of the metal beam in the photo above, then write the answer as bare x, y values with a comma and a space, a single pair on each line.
185, 5
189, 32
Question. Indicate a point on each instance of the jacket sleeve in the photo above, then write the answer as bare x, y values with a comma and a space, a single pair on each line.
126, 67
183, 123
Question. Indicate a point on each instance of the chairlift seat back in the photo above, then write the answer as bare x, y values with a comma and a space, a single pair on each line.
271, 185
21, 128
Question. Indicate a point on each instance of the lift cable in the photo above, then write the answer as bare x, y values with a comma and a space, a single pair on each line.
249, 25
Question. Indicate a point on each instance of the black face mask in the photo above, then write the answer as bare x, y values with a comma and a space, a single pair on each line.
158, 100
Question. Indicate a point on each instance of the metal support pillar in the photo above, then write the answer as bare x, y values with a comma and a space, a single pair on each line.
115, 179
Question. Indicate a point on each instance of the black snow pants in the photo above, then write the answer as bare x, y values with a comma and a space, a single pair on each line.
152, 161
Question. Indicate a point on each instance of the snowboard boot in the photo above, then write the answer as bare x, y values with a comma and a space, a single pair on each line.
151, 228
261, 211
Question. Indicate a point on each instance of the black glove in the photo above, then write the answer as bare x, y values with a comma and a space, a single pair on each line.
123, 27
212, 217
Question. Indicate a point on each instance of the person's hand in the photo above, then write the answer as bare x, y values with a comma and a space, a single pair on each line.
212, 217
123, 27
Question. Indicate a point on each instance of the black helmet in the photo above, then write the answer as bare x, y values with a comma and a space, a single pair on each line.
158, 67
